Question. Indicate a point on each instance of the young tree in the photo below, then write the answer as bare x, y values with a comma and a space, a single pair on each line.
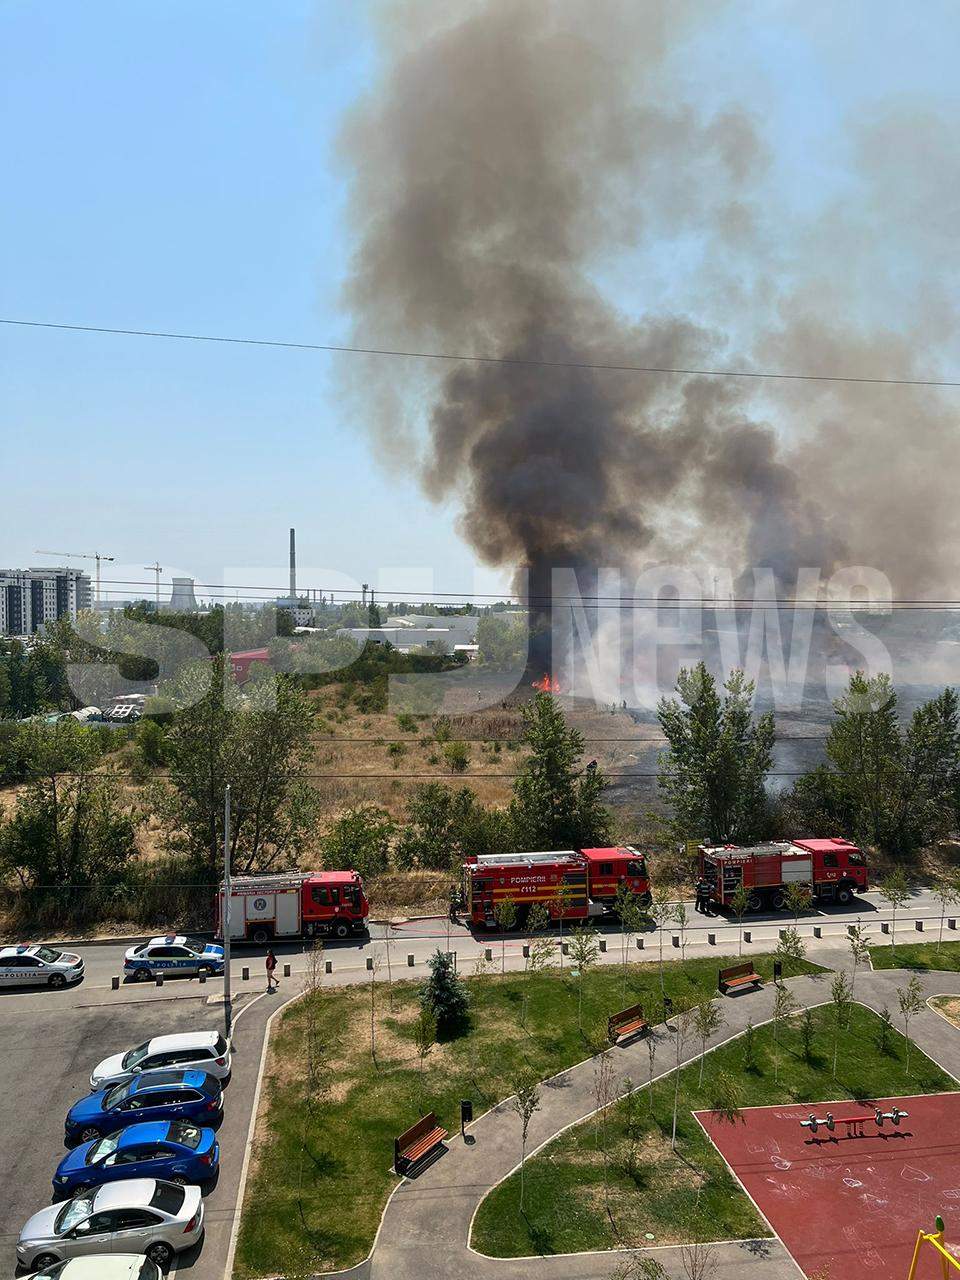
639, 1266
884, 1029
894, 889
631, 914
727, 1098
425, 1037
556, 805
444, 994
525, 1102
682, 1026
680, 919
583, 953
559, 905
859, 941
539, 941
653, 1043
806, 1035
707, 1021
699, 1260
841, 993
505, 914
797, 899
374, 970
791, 950
911, 1002
948, 895
739, 903
749, 1047
783, 1006
313, 1039
662, 912
602, 1096
713, 773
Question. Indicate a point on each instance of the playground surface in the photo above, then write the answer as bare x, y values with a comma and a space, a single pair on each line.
848, 1206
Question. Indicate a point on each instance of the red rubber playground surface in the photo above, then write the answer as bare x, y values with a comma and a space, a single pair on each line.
850, 1207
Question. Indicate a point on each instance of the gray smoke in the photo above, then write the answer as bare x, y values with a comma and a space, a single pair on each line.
509, 154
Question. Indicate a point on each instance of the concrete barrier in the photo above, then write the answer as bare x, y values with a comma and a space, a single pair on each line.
675, 940
918, 925
410, 962
851, 929
884, 926
781, 933
115, 982
747, 935
488, 953
286, 971
245, 974
526, 952
369, 964
639, 944
328, 966
951, 923
818, 931
711, 939
603, 944
565, 948
203, 979
159, 979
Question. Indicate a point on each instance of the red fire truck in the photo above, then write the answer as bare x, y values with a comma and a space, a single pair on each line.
295, 904
573, 883
833, 870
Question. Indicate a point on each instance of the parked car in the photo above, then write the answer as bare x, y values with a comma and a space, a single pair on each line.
203, 1050
164, 1095
143, 1215
173, 956
29, 966
101, 1266
175, 1150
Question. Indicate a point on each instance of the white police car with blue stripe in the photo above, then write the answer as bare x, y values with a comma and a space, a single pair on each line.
173, 956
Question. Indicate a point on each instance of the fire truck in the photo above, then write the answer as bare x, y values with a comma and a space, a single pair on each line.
833, 870
573, 883
296, 904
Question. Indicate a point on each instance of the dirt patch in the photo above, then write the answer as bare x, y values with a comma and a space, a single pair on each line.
948, 1007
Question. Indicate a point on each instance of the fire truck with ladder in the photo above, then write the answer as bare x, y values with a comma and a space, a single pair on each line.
573, 884
832, 869
294, 904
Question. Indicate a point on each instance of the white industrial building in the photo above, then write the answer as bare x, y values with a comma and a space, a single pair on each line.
432, 633
30, 598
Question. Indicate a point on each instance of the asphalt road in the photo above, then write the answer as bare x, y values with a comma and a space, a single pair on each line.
52, 1039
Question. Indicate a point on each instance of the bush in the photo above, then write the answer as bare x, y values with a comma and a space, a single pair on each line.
406, 722
150, 740
457, 756
444, 995
360, 840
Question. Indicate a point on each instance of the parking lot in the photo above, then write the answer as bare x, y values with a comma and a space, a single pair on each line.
51, 1040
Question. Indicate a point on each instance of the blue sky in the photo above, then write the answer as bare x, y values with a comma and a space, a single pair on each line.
171, 167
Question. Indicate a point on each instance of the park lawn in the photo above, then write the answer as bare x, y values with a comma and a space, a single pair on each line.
922, 956
321, 1168
642, 1193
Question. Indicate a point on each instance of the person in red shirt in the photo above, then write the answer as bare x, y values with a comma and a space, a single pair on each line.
271, 964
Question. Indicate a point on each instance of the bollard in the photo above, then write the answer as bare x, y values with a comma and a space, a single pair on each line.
747, 935
951, 923
286, 971
565, 948
159, 979
410, 962
603, 944
202, 976
115, 982
817, 931
781, 933
639, 944
884, 926
918, 924
452, 957
526, 952
675, 940
851, 929
369, 964
488, 954
328, 966
245, 974
711, 939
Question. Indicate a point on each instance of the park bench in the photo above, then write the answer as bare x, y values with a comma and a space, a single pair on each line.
629, 1022
416, 1142
738, 975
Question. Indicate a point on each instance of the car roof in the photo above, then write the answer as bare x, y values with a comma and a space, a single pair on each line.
164, 1079
149, 1131
22, 949
136, 1192
183, 1040
117, 1266
168, 940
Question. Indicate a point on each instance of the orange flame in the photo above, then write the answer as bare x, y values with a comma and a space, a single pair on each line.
547, 684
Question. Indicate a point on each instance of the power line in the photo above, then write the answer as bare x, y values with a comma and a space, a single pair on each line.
458, 358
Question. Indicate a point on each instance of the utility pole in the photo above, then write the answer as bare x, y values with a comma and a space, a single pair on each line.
156, 569
363, 603
225, 925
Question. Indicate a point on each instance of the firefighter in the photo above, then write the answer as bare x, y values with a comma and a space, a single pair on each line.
702, 901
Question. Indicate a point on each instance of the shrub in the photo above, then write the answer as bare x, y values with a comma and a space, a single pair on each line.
444, 995
457, 756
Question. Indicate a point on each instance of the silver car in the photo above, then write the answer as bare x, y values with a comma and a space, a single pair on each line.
38, 966
101, 1266
143, 1215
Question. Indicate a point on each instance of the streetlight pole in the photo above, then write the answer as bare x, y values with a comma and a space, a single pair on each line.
225, 923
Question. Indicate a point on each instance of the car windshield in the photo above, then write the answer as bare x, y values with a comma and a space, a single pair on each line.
221, 1046
134, 1057
48, 955
74, 1211
148, 1270
56, 1269
105, 1147
195, 944
856, 859
188, 1135
168, 1197
117, 1094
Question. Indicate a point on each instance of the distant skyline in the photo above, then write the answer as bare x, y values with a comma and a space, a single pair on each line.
174, 167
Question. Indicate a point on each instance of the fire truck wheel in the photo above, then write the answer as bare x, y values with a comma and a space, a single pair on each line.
754, 902
341, 929
844, 896
779, 901
260, 936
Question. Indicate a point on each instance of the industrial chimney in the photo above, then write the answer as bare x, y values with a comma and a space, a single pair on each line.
293, 565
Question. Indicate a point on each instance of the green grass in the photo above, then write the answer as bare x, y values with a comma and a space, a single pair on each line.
922, 956
576, 1199
321, 1170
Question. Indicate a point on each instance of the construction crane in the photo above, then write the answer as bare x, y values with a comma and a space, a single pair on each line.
80, 555
157, 570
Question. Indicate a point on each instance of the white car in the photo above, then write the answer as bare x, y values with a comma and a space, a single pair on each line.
101, 1266
197, 1050
143, 1215
174, 956
40, 966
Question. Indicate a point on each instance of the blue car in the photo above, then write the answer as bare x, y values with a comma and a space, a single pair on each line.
175, 1150
173, 956
156, 1095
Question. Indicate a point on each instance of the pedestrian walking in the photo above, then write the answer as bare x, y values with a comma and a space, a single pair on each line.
271, 964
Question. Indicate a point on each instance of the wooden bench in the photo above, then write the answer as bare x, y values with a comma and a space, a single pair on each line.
738, 975
416, 1142
629, 1022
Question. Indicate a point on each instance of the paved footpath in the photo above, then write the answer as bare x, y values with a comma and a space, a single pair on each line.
425, 1229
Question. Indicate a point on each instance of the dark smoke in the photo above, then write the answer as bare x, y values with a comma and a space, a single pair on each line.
508, 154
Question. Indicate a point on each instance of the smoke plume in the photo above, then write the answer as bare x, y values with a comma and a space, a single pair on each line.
509, 158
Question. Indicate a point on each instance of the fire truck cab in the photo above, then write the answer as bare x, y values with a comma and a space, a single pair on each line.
299, 904
833, 869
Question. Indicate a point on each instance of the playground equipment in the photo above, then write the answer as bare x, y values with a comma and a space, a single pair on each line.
935, 1240
854, 1124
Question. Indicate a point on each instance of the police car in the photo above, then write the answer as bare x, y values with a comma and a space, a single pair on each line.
173, 955
26, 966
